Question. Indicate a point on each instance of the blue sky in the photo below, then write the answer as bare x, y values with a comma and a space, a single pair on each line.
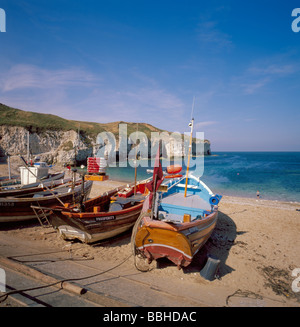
144, 61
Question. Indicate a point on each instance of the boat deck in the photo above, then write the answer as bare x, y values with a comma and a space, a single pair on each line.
191, 201
173, 207
132, 198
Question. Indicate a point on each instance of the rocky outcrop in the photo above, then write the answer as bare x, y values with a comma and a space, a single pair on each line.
63, 146
51, 146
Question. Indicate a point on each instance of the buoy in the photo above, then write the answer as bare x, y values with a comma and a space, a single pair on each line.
214, 200
174, 169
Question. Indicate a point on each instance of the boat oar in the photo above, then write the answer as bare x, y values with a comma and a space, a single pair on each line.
57, 198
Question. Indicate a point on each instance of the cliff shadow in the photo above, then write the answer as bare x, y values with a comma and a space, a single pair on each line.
3, 157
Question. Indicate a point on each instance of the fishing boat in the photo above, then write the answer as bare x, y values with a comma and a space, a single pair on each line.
180, 225
8, 181
178, 218
32, 176
19, 208
102, 217
54, 181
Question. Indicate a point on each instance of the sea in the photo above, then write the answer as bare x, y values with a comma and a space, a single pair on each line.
276, 175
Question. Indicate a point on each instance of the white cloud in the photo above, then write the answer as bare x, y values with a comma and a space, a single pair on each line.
253, 87
205, 123
77, 94
263, 72
209, 34
274, 69
249, 120
29, 76
144, 104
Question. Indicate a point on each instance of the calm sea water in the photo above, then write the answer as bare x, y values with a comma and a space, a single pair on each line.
275, 174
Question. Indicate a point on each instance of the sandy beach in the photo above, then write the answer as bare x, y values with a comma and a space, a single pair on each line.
257, 242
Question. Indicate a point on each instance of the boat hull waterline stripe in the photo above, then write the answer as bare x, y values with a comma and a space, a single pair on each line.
164, 246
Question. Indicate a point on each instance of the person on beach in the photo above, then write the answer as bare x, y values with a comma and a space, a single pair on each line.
257, 194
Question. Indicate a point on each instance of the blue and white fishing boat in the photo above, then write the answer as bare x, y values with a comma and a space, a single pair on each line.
178, 218
178, 226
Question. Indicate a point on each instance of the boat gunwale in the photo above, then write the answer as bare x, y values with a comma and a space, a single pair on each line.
16, 199
32, 190
84, 215
174, 226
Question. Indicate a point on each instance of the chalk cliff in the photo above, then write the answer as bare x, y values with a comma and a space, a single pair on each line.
57, 140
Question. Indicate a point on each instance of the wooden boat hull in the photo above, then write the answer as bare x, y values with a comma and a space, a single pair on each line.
15, 184
93, 227
105, 216
9, 182
29, 189
177, 242
14, 209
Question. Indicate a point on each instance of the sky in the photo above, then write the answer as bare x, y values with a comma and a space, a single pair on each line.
145, 61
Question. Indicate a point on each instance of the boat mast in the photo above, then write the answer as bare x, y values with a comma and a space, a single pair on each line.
77, 146
191, 125
28, 155
135, 168
8, 162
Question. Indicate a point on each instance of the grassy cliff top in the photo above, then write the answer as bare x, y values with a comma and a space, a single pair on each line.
38, 123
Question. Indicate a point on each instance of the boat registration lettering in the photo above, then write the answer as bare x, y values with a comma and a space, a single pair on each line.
105, 218
7, 204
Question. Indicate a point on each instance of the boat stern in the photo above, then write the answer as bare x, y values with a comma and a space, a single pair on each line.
155, 243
